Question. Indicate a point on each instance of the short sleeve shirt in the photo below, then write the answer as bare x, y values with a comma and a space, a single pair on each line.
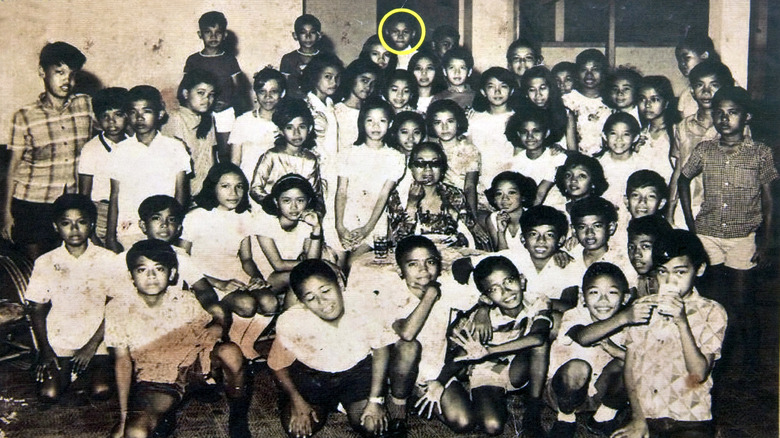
541, 169
255, 136
288, 243
222, 65
274, 164
96, 160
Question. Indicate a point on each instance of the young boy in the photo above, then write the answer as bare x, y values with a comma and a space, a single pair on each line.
521, 55
642, 234
400, 33
329, 350
735, 220
669, 360
586, 101
67, 294
96, 157
146, 164
586, 359
692, 50
213, 58
594, 221
46, 139
456, 65
646, 195
164, 341
444, 38
307, 32
564, 73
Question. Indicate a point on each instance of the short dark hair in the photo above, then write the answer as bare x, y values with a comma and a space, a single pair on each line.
622, 117
400, 17
678, 243
544, 215
157, 203
647, 178
288, 109
315, 67
622, 73
287, 182
372, 103
73, 201
305, 19
738, 95
207, 197
712, 68
525, 185
153, 249
268, 74
458, 53
448, 105
600, 269
597, 179
565, 66
211, 19
61, 53
429, 146
489, 265
591, 55
698, 42
524, 114
593, 206
481, 103
410, 243
108, 99
398, 121
653, 225
444, 31
404, 75
524, 42
147, 93
311, 268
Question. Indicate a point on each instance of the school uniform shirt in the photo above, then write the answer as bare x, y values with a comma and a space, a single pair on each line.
289, 243
77, 288
328, 346
422, 104
541, 169
163, 338
255, 135
550, 282
686, 104
50, 141
291, 66
663, 383
183, 125
221, 65
347, 119
564, 348
275, 164
327, 137
462, 158
590, 114
96, 159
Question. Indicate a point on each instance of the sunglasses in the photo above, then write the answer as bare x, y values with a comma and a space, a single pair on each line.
420, 164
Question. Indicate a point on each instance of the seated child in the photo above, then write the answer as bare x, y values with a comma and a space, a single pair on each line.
163, 343
642, 234
307, 31
594, 221
456, 66
71, 283
329, 350
565, 73
509, 194
586, 359
669, 360
443, 39
94, 181
586, 101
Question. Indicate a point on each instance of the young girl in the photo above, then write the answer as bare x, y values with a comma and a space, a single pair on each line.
508, 193
360, 183
621, 132
586, 102
522, 55
374, 51
538, 90
621, 88
690, 52
400, 91
564, 73
447, 123
658, 113
254, 132
580, 177
407, 131
527, 130
424, 66
321, 79
291, 152
226, 256
193, 122
359, 82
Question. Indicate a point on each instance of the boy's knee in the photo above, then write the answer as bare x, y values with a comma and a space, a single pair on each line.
574, 374
461, 422
100, 392
49, 391
408, 350
267, 303
492, 425
136, 431
242, 304
230, 356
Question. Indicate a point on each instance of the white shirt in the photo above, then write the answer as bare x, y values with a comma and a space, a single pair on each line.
255, 135
288, 243
97, 161
541, 169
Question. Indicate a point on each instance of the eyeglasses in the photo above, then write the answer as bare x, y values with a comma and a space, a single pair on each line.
420, 164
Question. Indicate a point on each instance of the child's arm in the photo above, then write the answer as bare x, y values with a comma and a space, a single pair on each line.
182, 193
361, 233
408, 328
697, 364
302, 413
84, 355
542, 191
380, 358
475, 350
684, 192
588, 335
470, 190
10, 184
571, 131
312, 247
498, 233
637, 427
207, 297
260, 178
46, 355
271, 252
248, 265
123, 371
85, 185
764, 241
236, 151
113, 218
341, 202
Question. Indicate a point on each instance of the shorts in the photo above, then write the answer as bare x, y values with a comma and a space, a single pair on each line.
329, 389
668, 427
548, 395
734, 252
493, 373
189, 375
224, 120
33, 223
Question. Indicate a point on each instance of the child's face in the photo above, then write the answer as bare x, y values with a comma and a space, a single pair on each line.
419, 268
640, 252
292, 203
539, 92
199, 98
58, 80
603, 297
112, 122
497, 92
143, 117
323, 297
678, 275
565, 82
619, 138
644, 201
424, 71
704, 89
150, 277
687, 59
426, 167
445, 125
507, 197
329, 81
590, 75
444, 45
650, 104
521, 59
269, 95
504, 289
364, 86
577, 181
162, 225
542, 242
212, 36
229, 191
73, 227
399, 93
376, 124
457, 71
379, 56
307, 37
623, 93
409, 135
532, 135
401, 35
296, 132
729, 118
593, 231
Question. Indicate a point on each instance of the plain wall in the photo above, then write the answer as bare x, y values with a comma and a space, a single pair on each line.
347, 24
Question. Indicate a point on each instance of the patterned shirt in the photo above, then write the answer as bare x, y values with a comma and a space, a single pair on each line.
732, 186
50, 141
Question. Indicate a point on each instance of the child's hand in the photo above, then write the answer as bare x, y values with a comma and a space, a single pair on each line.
257, 283
82, 357
502, 221
46, 359
310, 218
474, 350
634, 429
320, 123
640, 312
8, 226
480, 324
562, 258
113, 245
571, 243
761, 256
374, 418
232, 285
416, 194
358, 235
431, 399
301, 419
671, 305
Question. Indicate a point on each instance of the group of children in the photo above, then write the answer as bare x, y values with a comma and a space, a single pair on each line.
226, 223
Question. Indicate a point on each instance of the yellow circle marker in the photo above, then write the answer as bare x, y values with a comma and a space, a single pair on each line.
422, 31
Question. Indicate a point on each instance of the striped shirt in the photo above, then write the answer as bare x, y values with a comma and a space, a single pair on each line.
50, 141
